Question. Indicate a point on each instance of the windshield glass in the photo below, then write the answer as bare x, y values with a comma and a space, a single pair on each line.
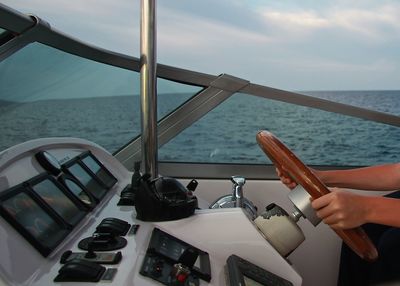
45, 92
227, 134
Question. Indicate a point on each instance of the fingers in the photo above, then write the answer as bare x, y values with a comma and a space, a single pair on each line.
335, 222
285, 178
278, 172
324, 209
323, 201
291, 185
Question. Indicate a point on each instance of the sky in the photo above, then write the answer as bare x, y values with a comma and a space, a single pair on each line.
292, 45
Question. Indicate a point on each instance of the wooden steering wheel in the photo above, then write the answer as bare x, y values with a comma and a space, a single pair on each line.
285, 159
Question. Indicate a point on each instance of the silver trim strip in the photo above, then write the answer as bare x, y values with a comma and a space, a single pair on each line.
322, 104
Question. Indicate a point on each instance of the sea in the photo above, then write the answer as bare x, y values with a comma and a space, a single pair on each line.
225, 134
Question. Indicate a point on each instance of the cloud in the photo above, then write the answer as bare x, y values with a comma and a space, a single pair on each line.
329, 41
377, 24
202, 33
298, 21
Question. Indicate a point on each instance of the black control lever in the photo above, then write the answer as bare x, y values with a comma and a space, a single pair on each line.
113, 226
192, 185
102, 242
90, 251
129, 192
135, 181
102, 238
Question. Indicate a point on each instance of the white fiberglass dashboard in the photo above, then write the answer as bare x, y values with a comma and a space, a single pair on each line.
56, 193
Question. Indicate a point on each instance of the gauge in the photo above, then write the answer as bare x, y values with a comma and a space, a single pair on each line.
48, 162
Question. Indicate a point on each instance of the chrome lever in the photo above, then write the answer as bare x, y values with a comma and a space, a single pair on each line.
237, 192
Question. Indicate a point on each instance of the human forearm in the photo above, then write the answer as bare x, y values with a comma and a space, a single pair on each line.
377, 178
382, 210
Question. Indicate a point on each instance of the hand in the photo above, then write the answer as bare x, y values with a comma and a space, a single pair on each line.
340, 209
286, 178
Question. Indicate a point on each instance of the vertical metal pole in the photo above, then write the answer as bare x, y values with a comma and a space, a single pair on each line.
148, 85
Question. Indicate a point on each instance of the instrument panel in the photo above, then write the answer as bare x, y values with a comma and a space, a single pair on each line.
61, 218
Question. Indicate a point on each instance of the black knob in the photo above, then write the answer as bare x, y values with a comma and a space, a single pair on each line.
270, 206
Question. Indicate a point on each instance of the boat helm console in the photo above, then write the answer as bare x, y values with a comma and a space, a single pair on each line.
62, 221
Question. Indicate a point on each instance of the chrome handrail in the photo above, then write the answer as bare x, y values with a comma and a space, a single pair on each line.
148, 83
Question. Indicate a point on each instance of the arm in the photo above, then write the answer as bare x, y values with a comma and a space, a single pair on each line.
375, 178
343, 210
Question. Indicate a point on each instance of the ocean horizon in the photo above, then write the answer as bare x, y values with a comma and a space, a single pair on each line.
224, 135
